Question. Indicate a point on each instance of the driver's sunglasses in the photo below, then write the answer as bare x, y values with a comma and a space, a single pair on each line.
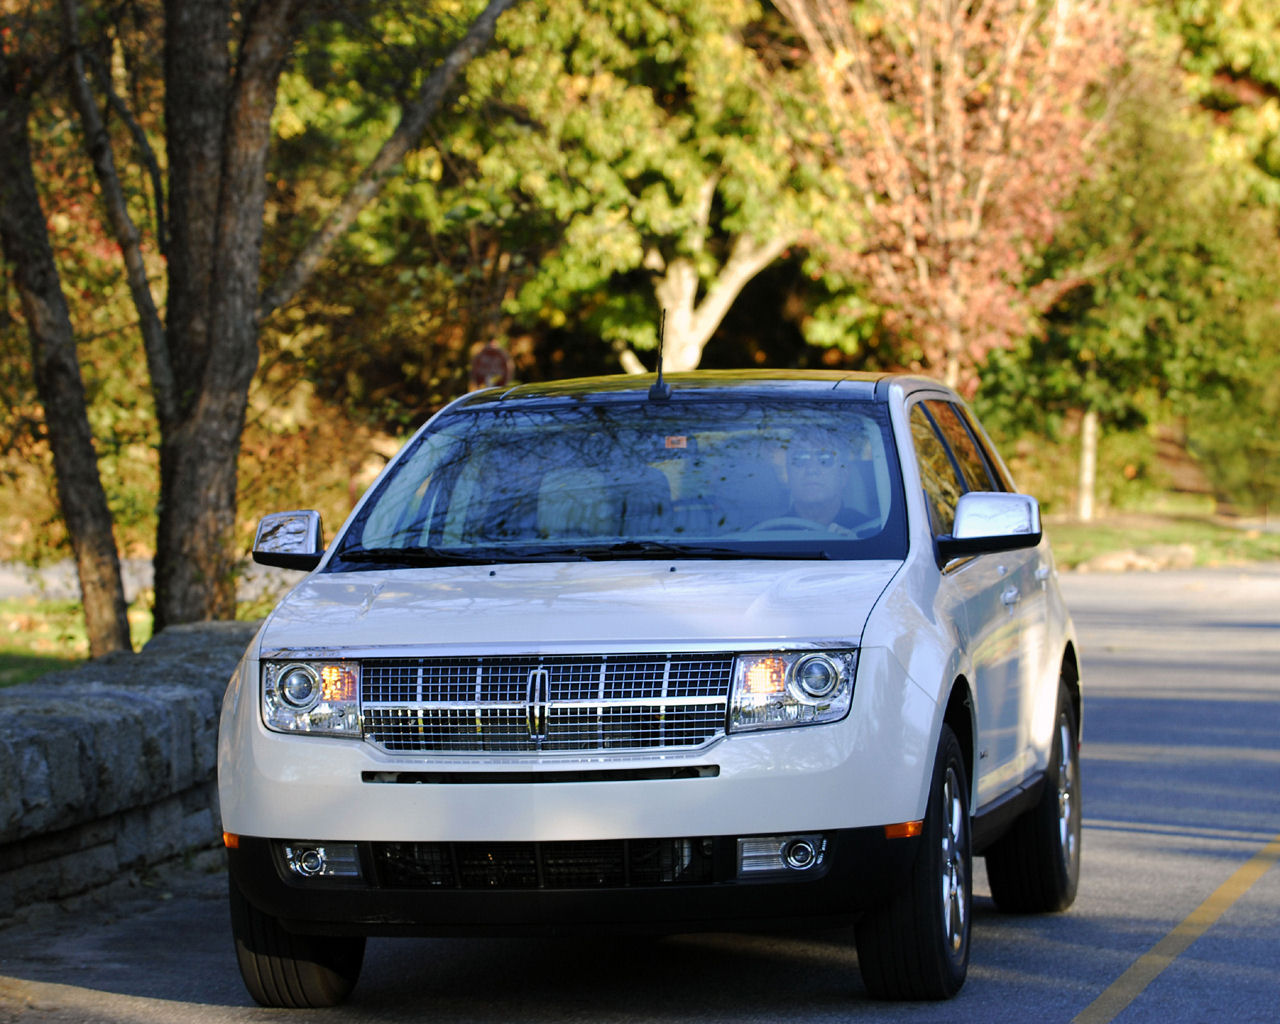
825, 458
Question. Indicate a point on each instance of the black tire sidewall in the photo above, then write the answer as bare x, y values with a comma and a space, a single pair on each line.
904, 948
1066, 871
952, 966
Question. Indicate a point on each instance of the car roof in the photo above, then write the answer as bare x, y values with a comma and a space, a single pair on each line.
701, 384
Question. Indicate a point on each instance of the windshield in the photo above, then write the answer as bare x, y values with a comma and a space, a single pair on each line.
692, 479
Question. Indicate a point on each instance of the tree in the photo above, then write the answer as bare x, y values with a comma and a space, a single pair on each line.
1231, 53
24, 240
386, 327
652, 138
1177, 306
962, 127
221, 68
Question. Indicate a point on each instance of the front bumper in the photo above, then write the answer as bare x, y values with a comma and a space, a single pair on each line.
872, 768
861, 869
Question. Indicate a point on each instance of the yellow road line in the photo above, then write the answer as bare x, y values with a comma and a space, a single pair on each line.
1125, 989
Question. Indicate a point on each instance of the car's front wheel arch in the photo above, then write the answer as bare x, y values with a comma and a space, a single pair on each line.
960, 716
1070, 678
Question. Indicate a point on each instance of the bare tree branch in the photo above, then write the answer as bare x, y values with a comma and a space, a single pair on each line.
126, 233
140, 140
963, 125
413, 124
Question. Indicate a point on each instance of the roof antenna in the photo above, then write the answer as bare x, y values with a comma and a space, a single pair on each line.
660, 390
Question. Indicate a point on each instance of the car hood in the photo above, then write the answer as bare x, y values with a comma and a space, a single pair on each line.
545, 606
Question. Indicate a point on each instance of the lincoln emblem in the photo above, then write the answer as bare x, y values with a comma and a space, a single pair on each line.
539, 687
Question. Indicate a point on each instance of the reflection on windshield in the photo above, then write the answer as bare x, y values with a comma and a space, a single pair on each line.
707, 479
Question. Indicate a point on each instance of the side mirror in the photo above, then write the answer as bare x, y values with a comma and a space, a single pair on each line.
988, 521
289, 540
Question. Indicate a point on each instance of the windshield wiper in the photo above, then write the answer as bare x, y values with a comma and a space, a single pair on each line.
660, 549
416, 556
419, 556
619, 550
647, 548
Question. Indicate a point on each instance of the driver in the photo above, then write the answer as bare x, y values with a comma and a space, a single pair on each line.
818, 471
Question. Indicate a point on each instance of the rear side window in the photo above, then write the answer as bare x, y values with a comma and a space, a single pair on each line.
969, 458
1004, 481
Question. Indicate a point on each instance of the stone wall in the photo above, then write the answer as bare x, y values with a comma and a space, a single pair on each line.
110, 767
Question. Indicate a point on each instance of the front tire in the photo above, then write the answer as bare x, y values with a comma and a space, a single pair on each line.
1035, 867
917, 946
292, 971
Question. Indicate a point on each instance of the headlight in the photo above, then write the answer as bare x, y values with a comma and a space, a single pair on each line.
312, 696
779, 689
299, 687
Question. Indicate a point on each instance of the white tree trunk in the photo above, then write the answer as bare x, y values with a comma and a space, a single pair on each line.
690, 323
1088, 466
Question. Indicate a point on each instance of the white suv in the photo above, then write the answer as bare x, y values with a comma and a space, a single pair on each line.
709, 652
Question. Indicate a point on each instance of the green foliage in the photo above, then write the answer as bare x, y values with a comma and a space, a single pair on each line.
1233, 431
574, 163
843, 318
384, 331
1166, 278
641, 133
103, 319
1231, 52
1130, 473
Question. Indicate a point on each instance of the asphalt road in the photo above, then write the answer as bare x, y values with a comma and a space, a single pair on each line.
1178, 917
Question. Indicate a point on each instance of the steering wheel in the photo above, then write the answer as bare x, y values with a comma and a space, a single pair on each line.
793, 523
800, 524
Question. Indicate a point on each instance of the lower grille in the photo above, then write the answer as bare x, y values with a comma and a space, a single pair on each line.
607, 864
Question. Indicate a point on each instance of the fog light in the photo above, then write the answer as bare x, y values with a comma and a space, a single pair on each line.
759, 855
800, 854
322, 860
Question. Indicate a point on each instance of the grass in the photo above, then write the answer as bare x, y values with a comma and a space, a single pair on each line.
39, 636
1215, 541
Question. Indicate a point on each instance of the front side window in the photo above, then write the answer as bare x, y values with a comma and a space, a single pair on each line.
618, 479
938, 473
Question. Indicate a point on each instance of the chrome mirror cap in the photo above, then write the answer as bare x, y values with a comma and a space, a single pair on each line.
289, 540
988, 521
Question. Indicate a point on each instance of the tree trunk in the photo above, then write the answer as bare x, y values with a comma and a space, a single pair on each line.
953, 333
219, 117
1088, 466
25, 241
220, 94
690, 323
195, 543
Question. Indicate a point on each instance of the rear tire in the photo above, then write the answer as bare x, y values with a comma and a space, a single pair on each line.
292, 971
1035, 867
917, 946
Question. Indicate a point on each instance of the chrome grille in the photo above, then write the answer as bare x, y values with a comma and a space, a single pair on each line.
552, 703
